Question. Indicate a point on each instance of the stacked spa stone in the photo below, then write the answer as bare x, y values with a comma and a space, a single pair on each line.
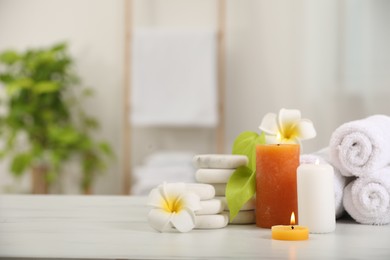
216, 169
210, 215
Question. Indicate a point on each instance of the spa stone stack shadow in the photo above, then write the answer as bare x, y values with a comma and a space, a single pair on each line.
215, 170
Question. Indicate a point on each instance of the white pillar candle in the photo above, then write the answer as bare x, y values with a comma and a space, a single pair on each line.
316, 202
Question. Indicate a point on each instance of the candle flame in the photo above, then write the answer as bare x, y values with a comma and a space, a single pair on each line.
292, 219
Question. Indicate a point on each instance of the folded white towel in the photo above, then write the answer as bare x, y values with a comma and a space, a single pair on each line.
164, 158
361, 147
148, 177
340, 181
174, 78
367, 199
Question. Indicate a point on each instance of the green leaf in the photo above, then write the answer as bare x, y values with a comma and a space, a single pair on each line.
19, 84
105, 148
245, 144
51, 176
9, 57
59, 47
69, 136
91, 122
240, 188
46, 87
6, 78
20, 163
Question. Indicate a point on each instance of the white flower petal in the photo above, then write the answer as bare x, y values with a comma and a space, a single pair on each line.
269, 124
288, 118
155, 198
191, 201
272, 139
160, 220
183, 221
290, 141
174, 207
305, 129
172, 190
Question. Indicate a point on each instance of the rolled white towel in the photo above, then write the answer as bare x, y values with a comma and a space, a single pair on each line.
340, 181
361, 147
367, 199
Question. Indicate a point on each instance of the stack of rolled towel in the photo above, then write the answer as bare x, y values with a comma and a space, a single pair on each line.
215, 170
361, 150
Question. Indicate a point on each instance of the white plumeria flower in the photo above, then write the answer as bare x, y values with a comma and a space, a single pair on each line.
174, 207
287, 127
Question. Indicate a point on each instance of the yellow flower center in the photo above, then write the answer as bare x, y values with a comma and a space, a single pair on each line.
289, 133
173, 205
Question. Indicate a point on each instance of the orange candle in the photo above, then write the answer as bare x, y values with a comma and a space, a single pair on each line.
291, 232
276, 183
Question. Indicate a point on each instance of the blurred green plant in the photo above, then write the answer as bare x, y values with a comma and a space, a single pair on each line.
43, 124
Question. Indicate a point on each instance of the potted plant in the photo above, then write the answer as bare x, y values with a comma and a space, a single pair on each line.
44, 125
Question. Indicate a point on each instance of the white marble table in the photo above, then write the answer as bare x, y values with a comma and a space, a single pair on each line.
115, 227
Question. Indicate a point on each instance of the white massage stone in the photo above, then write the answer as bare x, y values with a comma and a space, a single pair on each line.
249, 205
244, 217
220, 189
210, 207
204, 191
213, 175
219, 161
211, 221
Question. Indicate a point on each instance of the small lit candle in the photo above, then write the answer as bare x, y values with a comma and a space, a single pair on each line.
316, 202
291, 232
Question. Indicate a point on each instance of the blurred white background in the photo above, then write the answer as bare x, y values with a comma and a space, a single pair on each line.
328, 58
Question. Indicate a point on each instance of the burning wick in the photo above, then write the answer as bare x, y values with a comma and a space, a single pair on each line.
292, 220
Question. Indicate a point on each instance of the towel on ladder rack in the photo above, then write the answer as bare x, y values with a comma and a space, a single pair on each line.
174, 79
